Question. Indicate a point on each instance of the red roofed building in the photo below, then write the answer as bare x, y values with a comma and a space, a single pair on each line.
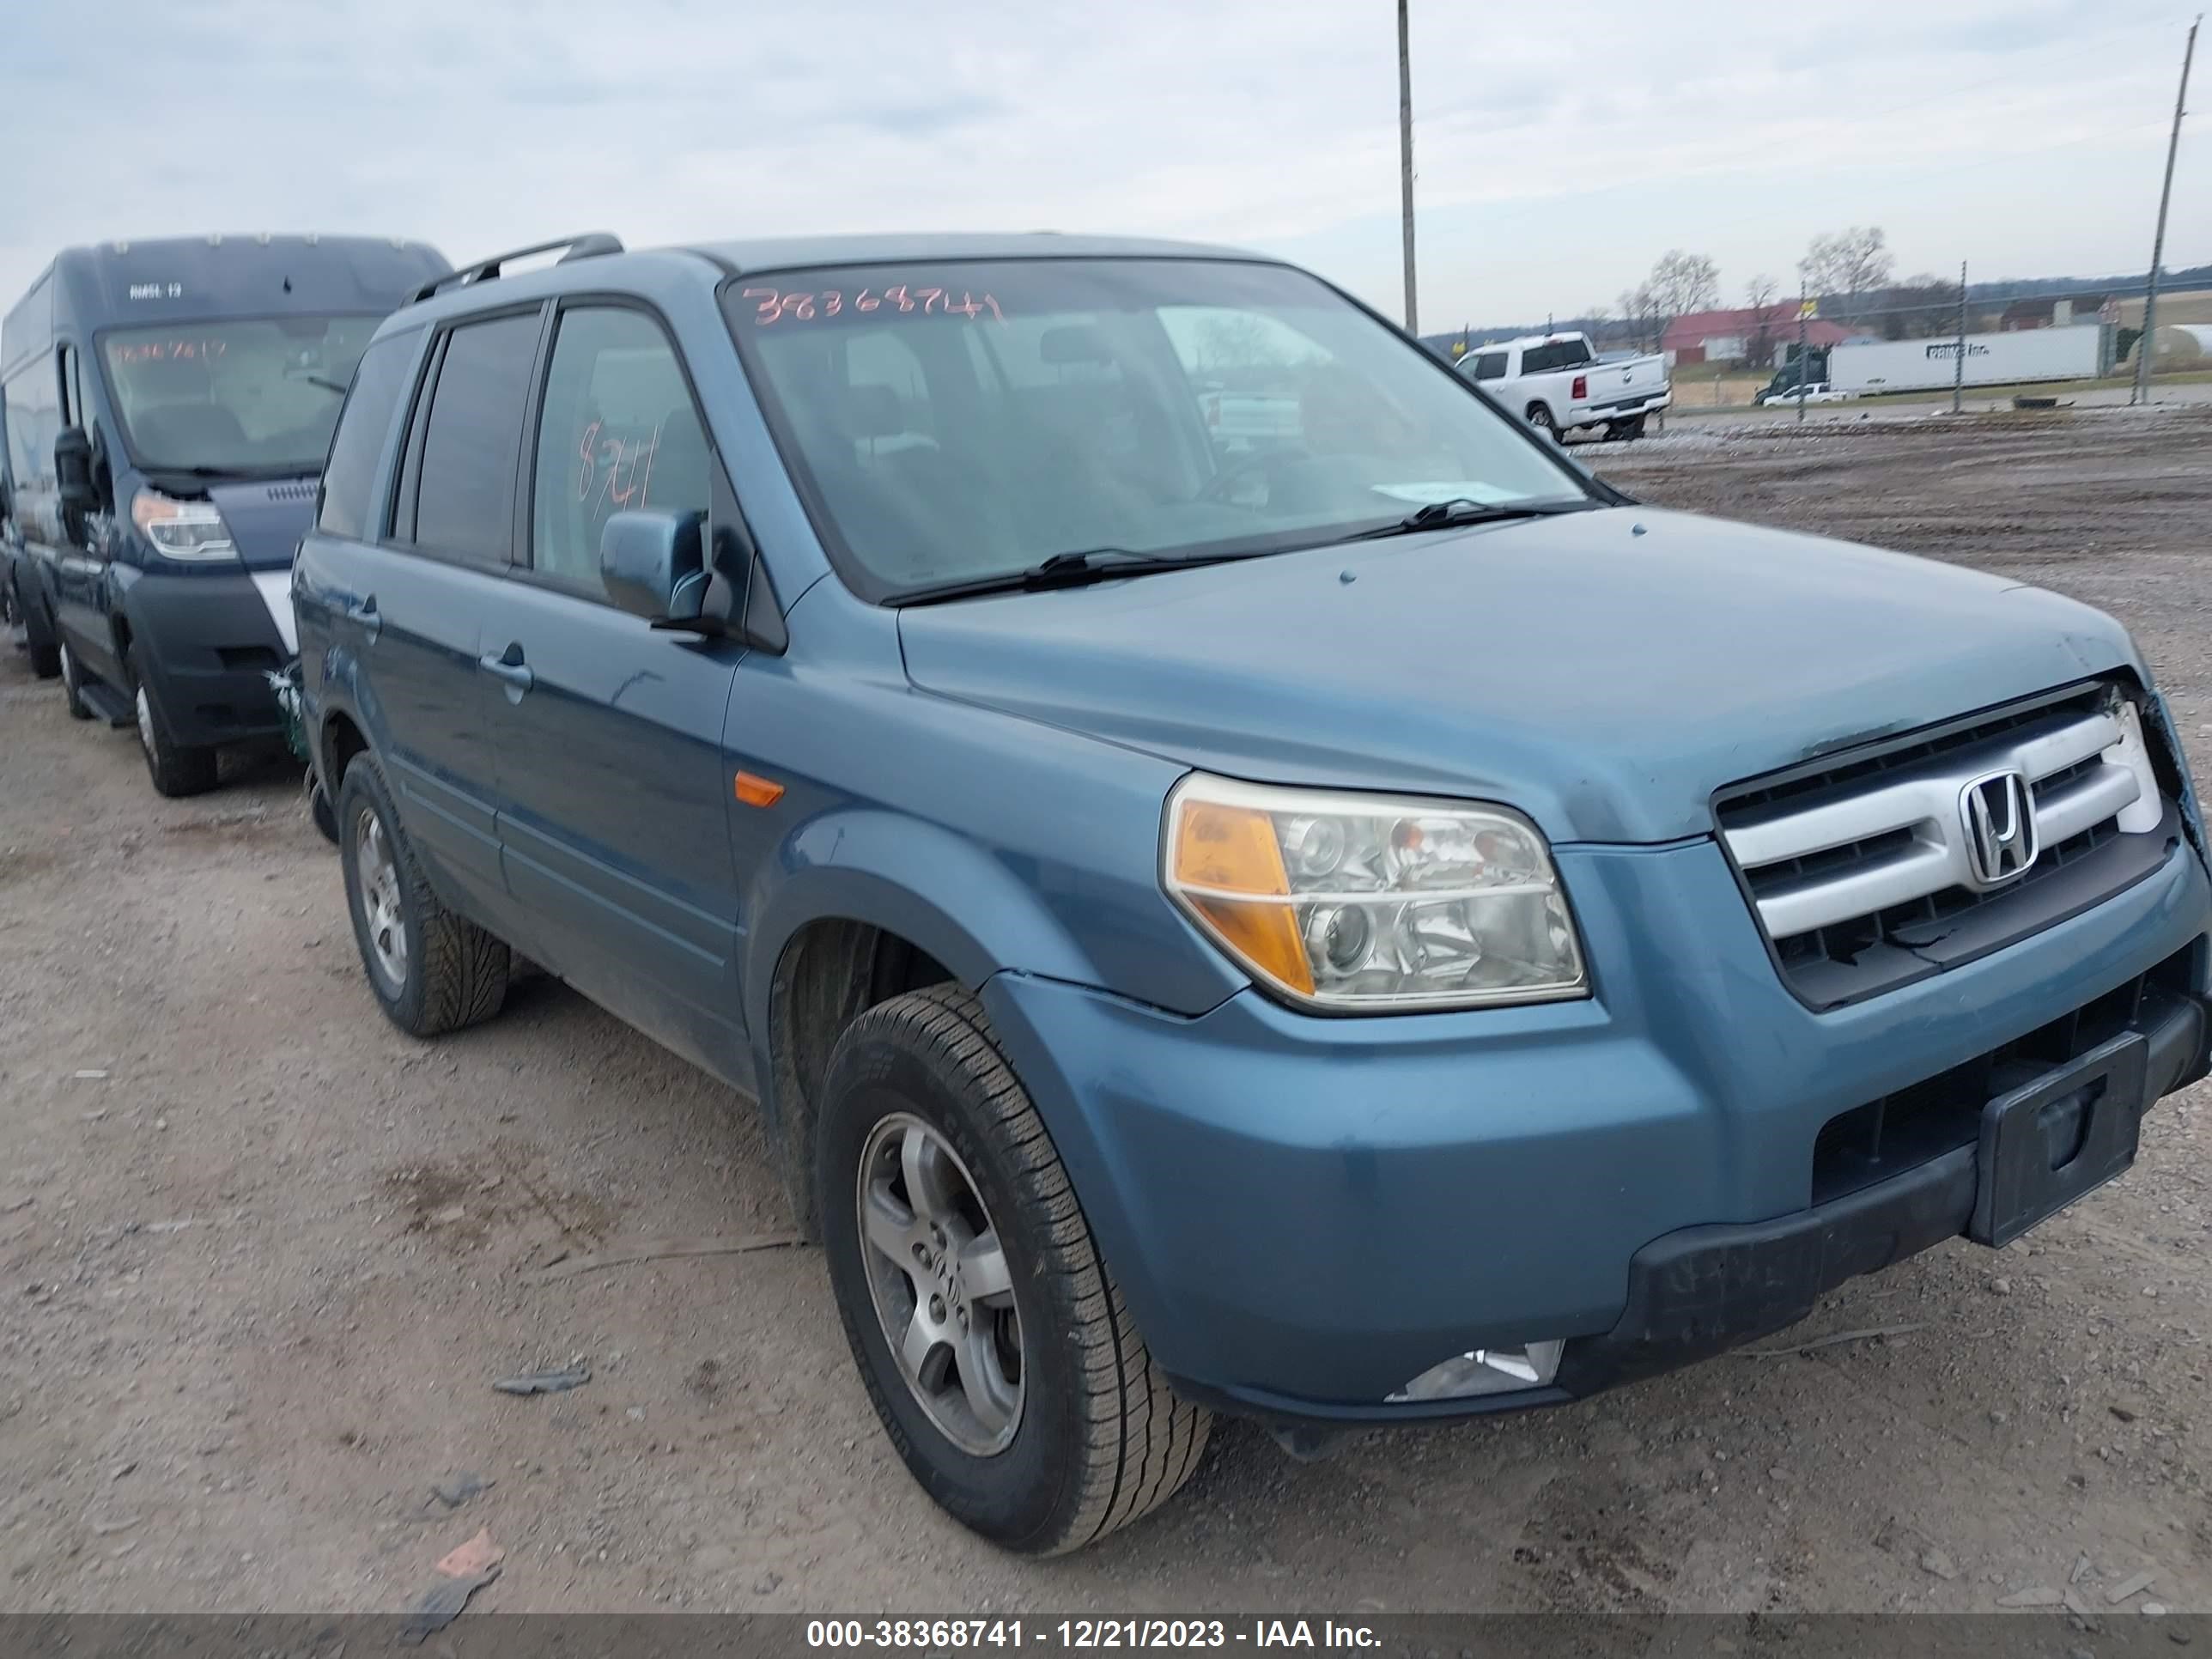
1733, 337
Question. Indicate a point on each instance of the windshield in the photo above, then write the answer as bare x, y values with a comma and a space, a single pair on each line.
257, 395
962, 420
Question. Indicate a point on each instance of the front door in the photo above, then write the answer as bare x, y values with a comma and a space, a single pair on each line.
613, 799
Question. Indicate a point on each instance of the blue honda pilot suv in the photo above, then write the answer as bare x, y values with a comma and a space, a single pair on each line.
1241, 878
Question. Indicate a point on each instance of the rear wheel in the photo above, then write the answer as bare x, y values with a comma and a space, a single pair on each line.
176, 768
1626, 431
989, 1335
73, 684
1540, 419
433, 971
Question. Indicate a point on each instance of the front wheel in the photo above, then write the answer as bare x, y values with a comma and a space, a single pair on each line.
176, 768
989, 1332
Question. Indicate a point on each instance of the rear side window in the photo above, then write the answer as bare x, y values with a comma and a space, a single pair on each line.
619, 432
349, 475
465, 494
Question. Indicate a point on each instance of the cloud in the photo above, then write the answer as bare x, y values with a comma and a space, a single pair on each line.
1554, 163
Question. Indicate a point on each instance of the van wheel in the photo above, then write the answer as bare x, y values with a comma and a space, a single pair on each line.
989, 1335
72, 686
177, 769
433, 971
37, 635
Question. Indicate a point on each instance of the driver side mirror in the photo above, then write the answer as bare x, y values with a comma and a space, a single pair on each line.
653, 565
73, 471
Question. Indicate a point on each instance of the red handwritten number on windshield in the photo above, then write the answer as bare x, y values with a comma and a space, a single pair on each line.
775, 306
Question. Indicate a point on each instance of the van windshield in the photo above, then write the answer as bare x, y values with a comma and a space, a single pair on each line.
253, 395
960, 420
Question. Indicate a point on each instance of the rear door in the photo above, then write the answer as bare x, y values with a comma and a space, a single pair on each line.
415, 606
613, 796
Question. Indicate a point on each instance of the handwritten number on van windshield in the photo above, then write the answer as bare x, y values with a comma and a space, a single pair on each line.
775, 306
168, 351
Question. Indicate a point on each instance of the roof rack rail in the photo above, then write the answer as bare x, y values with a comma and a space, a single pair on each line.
588, 244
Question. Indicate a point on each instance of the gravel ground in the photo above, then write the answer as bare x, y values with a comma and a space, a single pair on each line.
261, 1256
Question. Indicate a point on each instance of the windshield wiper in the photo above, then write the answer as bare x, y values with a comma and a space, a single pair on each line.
1463, 510
1076, 568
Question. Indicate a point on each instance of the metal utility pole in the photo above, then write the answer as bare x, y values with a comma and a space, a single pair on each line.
1406, 164
2144, 345
1959, 368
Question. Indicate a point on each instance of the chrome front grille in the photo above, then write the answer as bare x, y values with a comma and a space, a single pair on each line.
1861, 867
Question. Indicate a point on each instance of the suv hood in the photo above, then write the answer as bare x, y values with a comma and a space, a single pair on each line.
1604, 671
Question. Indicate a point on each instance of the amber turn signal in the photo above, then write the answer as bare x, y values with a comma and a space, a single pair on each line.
1229, 868
756, 791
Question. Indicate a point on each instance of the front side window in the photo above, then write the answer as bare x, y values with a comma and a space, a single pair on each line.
464, 494
619, 432
968, 419
257, 396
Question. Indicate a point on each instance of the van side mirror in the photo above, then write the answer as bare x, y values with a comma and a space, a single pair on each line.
73, 471
654, 564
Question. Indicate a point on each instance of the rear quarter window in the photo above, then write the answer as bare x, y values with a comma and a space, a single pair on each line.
349, 475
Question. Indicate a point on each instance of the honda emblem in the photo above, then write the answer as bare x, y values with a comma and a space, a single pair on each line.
1998, 815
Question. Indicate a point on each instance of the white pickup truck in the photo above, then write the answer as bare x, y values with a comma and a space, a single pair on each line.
1559, 385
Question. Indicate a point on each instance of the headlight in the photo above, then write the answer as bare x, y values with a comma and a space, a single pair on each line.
182, 529
1372, 903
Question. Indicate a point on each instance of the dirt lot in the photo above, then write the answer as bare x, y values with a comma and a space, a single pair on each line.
261, 1256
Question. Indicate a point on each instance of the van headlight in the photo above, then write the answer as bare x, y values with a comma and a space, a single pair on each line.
182, 529
1372, 903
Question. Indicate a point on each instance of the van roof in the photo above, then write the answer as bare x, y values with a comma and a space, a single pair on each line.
194, 278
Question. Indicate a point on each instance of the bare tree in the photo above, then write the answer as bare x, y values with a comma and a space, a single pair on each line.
1682, 283
1759, 294
1920, 308
1850, 263
1640, 317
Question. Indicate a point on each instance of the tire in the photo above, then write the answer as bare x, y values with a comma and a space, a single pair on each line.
73, 684
1096, 1438
324, 815
1626, 431
178, 769
1540, 419
449, 972
39, 637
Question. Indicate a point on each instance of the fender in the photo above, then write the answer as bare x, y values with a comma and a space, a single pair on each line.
939, 890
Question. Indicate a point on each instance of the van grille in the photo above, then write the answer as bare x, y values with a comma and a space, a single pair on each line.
1863, 869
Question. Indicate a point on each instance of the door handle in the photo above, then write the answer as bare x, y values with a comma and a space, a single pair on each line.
365, 614
507, 667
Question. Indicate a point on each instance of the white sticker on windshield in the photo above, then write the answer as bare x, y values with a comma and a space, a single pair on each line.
1451, 489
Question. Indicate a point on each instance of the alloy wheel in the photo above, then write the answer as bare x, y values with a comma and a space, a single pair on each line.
377, 874
941, 1285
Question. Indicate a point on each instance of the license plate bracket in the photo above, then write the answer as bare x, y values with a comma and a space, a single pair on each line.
2046, 1143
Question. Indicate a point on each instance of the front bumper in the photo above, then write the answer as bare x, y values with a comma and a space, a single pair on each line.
1306, 1214
211, 643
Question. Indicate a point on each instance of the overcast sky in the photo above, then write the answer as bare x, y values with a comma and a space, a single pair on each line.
1560, 149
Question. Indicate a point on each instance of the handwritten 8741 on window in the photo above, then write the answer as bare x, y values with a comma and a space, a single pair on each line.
772, 305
